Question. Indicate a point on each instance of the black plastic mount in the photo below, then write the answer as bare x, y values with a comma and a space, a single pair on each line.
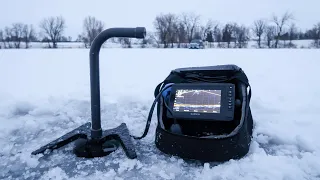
92, 141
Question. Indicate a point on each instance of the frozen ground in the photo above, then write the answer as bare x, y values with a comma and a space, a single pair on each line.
45, 93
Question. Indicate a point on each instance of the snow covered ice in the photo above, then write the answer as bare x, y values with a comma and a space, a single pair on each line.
45, 94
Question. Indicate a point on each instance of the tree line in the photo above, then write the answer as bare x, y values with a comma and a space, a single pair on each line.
181, 29
171, 30
52, 31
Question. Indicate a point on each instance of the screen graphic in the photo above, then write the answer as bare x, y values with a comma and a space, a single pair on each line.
201, 101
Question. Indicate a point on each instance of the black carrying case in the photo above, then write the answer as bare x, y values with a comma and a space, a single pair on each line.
230, 140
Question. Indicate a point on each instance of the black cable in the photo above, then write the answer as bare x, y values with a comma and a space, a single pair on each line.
150, 114
167, 106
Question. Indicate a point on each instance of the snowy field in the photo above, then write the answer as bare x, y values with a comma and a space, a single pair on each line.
45, 94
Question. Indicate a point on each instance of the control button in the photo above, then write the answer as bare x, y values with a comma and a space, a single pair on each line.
230, 95
230, 101
230, 98
230, 107
230, 104
230, 92
230, 87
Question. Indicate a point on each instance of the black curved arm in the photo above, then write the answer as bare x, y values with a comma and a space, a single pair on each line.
139, 32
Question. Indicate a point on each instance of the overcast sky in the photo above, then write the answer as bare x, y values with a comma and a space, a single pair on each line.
132, 13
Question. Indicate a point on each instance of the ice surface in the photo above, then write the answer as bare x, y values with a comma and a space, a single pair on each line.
45, 94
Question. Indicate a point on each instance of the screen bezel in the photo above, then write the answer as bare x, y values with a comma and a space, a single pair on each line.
225, 113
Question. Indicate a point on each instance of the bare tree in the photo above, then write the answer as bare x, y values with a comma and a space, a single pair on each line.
280, 23
190, 21
209, 38
92, 27
53, 28
234, 31
28, 34
17, 34
172, 28
161, 28
315, 33
217, 34
241, 34
204, 30
259, 29
7, 37
182, 34
270, 34
125, 42
292, 34
227, 34
154, 39
1, 39
166, 27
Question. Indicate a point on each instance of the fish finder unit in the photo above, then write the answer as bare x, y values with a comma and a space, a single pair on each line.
202, 101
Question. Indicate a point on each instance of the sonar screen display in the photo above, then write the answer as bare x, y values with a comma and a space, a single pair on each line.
201, 101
